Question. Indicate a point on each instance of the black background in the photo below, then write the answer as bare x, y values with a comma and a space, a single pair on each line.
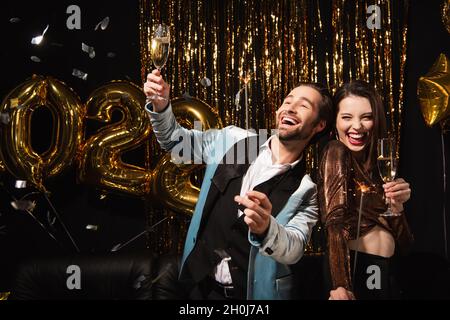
119, 218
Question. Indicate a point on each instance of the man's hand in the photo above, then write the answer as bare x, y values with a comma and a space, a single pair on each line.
258, 211
341, 294
399, 192
156, 85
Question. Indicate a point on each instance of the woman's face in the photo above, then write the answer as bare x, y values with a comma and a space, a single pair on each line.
354, 122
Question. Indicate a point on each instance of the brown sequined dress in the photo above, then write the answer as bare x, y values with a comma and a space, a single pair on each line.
339, 200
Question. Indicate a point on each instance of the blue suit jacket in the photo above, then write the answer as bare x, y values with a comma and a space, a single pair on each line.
269, 275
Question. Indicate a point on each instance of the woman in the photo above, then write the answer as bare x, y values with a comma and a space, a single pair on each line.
347, 164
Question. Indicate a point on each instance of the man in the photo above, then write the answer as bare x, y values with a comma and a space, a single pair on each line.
253, 220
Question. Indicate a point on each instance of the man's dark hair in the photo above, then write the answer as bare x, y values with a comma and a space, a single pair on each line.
325, 108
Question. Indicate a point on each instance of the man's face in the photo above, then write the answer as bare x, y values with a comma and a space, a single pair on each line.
297, 116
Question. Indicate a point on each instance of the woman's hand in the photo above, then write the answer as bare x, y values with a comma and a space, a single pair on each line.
398, 191
341, 294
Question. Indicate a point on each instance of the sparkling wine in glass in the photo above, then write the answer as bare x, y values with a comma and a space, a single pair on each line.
387, 166
159, 50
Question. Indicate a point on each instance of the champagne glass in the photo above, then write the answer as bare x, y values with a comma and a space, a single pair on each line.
159, 50
387, 165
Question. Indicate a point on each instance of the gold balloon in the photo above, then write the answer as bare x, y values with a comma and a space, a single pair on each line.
434, 91
172, 183
67, 112
100, 162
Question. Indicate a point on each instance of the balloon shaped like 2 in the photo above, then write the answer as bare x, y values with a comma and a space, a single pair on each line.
172, 183
16, 150
100, 162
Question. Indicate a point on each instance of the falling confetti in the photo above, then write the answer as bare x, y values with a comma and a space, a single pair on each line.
37, 40
51, 220
102, 24
89, 50
21, 184
56, 44
111, 55
14, 20
237, 100
205, 82
23, 205
5, 118
35, 59
79, 74
92, 227
116, 247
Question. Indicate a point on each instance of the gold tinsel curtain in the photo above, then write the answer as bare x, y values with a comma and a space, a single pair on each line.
277, 44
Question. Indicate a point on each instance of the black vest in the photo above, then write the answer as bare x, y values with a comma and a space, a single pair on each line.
222, 230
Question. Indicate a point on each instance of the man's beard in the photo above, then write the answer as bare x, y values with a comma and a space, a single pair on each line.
297, 135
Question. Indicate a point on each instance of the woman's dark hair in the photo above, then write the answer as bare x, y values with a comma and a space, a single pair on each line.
363, 89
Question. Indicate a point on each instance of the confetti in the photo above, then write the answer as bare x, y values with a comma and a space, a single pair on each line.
23, 205
102, 24
237, 100
35, 59
205, 82
56, 44
51, 221
79, 74
92, 227
14, 20
37, 40
5, 118
116, 247
89, 50
138, 283
111, 55
21, 184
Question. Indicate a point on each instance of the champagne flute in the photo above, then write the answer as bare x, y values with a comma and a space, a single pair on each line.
159, 50
387, 165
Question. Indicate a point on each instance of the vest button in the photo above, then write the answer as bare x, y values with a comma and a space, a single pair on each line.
193, 240
268, 251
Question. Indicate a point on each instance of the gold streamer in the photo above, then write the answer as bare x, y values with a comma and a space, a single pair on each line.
277, 43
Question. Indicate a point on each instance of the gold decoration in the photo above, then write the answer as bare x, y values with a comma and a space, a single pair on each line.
446, 15
172, 184
4, 296
280, 43
15, 137
100, 161
434, 92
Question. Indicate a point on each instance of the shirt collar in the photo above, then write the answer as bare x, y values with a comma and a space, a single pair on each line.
266, 147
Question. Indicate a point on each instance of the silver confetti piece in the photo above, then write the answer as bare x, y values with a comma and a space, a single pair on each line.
35, 59
205, 82
111, 55
14, 20
237, 100
51, 220
79, 74
116, 247
37, 40
20, 184
89, 50
102, 24
23, 205
92, 227
5, 118
138, 283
